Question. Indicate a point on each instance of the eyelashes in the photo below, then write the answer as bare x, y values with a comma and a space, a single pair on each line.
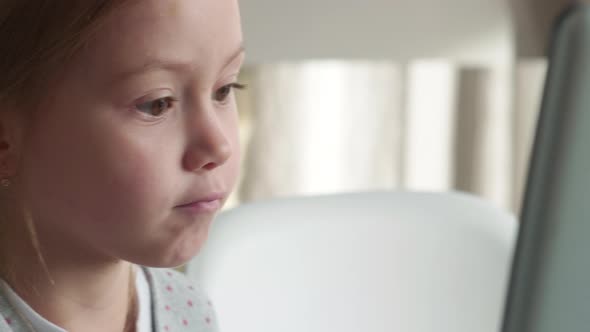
158, 107
221, 95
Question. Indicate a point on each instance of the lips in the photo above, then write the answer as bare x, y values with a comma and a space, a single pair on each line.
206, 204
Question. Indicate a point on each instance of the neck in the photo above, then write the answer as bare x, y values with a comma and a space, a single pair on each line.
74, 288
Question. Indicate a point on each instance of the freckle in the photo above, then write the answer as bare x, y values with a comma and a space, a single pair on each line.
166, 328
191, 288
208, 320
184, 322
190, 303
167, 308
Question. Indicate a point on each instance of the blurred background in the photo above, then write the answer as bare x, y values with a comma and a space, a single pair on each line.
427, 95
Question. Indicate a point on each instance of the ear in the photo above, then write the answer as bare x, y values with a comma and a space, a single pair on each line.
11, 129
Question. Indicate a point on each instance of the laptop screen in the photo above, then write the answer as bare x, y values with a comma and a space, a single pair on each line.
550, 284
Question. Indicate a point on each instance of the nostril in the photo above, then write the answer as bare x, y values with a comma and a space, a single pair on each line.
210, 166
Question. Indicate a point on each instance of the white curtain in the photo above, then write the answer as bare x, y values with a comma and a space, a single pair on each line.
432, 125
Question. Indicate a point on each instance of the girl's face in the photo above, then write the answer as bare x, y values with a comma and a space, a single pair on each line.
136, 147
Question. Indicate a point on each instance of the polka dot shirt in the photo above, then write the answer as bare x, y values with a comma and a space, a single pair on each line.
176, 305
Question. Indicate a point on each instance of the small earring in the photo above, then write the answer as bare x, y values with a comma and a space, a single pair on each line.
5, 182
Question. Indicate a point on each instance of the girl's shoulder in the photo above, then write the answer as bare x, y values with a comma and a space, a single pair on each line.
178, 303
10, 319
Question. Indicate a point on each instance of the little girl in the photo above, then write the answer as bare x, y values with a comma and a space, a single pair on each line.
118, 144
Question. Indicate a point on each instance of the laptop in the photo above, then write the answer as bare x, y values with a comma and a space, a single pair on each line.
550, 283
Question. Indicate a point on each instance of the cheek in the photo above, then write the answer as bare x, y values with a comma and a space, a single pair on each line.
133, 189
99, 179
232, 167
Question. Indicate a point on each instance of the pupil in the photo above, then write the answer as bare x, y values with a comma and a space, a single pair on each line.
161, 105
223, 92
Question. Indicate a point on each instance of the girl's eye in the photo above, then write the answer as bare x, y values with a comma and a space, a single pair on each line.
156, 108
223, 93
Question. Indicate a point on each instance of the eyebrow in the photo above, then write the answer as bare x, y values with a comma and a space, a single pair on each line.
171, 65
235, 55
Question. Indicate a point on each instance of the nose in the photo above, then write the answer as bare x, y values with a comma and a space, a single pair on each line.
209, 146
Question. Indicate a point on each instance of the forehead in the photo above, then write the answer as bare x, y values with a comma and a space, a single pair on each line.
203, 33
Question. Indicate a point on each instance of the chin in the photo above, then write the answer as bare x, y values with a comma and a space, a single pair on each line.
175, 255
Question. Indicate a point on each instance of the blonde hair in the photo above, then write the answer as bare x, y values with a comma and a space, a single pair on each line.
37, 39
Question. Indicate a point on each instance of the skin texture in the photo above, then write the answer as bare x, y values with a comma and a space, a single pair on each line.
142, 121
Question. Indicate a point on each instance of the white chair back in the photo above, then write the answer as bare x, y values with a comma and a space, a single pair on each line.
371, 262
